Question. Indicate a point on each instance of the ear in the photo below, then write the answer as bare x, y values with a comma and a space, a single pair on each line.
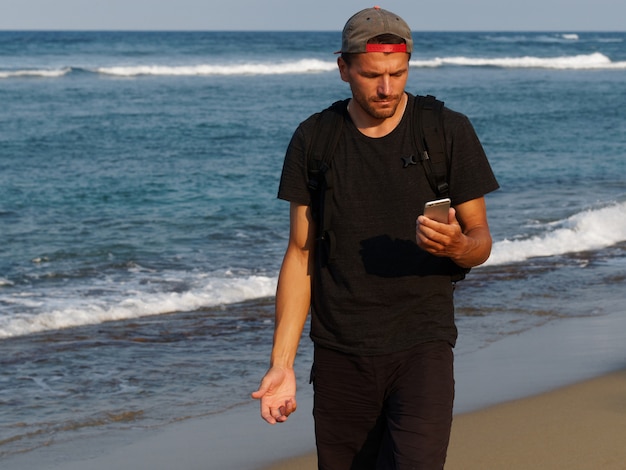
343, 69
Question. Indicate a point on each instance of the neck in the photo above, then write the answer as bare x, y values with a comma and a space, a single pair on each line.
373, 127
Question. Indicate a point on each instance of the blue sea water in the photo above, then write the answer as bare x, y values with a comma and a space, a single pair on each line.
141, 237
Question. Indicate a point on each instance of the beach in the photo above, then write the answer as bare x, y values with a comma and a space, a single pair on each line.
541, 399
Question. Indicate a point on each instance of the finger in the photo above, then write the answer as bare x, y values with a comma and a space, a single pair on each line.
277, 414
288, 408
428, 237
292, 406
263, 388
267, 415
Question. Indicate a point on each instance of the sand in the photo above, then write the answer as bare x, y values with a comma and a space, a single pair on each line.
578, 427
550, 398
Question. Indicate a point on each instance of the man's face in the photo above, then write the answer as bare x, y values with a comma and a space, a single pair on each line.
377, 81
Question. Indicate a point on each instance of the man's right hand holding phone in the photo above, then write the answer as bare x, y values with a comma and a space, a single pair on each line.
465, 238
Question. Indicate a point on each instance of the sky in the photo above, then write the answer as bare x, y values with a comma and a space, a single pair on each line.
320, 15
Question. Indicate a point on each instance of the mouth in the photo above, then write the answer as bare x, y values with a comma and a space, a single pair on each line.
386, 101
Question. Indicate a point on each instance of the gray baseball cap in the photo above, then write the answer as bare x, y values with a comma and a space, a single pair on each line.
370, 23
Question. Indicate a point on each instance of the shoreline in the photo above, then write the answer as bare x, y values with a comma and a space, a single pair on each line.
513, 371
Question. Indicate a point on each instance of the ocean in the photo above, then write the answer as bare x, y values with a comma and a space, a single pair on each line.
141, 236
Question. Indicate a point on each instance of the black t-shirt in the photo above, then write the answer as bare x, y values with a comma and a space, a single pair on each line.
382, 293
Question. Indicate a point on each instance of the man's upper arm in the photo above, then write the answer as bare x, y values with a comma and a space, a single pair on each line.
301, 229
472, 214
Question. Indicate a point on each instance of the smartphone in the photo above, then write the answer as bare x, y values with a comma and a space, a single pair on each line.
438, 210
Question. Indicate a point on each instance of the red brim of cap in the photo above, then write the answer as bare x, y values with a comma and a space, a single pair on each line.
382, 48
385, 48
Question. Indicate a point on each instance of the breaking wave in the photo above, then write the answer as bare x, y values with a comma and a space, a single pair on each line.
595, 61
584, 231
65, 309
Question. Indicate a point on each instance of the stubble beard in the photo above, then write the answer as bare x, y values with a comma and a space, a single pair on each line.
370, 107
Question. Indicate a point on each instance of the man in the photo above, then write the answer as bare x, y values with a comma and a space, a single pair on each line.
382, 310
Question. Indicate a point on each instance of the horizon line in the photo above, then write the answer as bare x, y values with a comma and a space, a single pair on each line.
156, 30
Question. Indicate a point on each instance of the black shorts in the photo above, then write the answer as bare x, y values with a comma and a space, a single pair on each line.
383, 412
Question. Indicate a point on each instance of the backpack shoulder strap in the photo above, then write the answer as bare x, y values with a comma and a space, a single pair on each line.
431, 143
326, 133
324, 139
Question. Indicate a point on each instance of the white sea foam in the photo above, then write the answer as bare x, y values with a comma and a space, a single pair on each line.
588, 230
576, 62
136, 302
593, 61
296, 67
534, 38
41, 73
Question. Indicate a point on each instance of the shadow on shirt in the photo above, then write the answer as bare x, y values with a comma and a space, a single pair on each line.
389, 258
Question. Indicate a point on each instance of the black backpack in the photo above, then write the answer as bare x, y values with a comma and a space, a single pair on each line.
430, 147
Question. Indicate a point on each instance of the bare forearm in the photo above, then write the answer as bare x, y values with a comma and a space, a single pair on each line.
477, 249
293, 298
277, 391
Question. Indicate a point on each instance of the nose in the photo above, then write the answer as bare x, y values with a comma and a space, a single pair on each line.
384, 85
